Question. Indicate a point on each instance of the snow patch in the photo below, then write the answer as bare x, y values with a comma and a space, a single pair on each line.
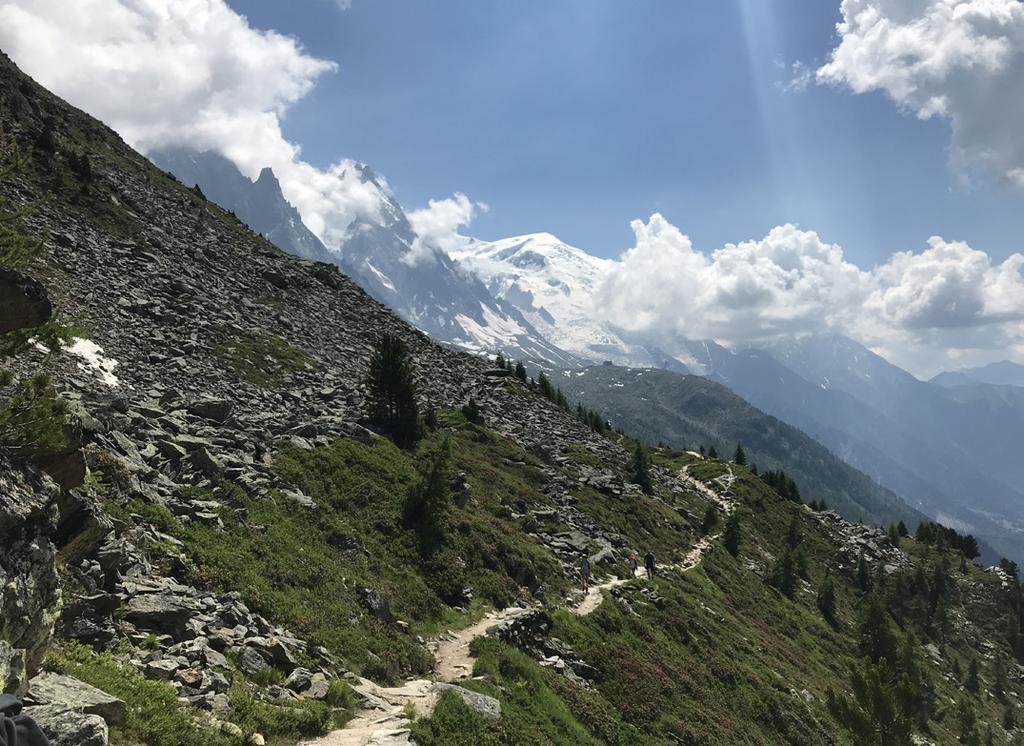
93, 360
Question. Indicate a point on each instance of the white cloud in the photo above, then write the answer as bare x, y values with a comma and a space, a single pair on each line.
437, 225
192, 73
962, 60
921, 310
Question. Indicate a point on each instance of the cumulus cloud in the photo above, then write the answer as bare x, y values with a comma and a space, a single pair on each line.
437, 225
923, 310
962, 60
190, 73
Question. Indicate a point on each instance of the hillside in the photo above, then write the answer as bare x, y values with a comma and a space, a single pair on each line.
233, 554
692, 411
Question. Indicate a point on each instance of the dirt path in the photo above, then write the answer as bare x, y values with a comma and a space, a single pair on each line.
384, 722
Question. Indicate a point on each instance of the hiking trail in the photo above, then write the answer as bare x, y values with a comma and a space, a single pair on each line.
384, 720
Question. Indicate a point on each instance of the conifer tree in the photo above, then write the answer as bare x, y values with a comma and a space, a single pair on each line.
712, 453
392, 391
733, 532
827, 599
640, 469
880, 713
471, 411
710, 519
863, 573
972, 682
520, 371
499, 360
740, 457
427, 501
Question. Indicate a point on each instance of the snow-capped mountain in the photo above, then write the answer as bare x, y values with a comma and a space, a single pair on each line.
552, 284
434, 293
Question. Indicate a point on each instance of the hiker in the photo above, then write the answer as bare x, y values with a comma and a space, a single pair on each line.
632, 563
649, 564
17, 729
585, 572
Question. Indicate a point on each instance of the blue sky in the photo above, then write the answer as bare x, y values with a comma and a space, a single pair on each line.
577, 116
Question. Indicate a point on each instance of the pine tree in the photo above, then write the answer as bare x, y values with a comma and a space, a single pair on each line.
733, 533
783, 575
740, 457
640, 469
471, 411
712, 453
999, 677
710, 519
827, 600
881, 711
968, 722
901, 527
545, 387
392, 391
894, 534
863, 573
33, 416
520, 371
499, 361
972, 682
427, 501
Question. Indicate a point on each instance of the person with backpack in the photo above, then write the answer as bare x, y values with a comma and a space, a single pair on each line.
585, 572
649, 564
17, 729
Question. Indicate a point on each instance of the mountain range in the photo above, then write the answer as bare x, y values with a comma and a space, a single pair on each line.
429, 291
946, 449
208, 538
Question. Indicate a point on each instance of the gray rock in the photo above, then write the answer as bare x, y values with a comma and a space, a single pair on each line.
161, 612
67, 727
487, 706
216, 410
206, 464
250, 662
56, 689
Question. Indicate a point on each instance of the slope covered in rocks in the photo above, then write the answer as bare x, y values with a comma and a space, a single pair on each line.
232, 560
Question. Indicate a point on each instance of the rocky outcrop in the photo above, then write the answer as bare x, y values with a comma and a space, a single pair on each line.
68, 692
28, 574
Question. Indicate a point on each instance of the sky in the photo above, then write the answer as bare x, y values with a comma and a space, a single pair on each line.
575, 117
757, 168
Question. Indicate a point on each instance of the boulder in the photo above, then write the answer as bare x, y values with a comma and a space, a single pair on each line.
161, 612
215, 410
64, 726
487, 706
376, 603
56, 689
250, 662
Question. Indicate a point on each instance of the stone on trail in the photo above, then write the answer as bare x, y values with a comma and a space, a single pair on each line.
488, 707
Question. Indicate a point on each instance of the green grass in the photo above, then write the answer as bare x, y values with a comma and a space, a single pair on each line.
154, 717
305, 568
258, 358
